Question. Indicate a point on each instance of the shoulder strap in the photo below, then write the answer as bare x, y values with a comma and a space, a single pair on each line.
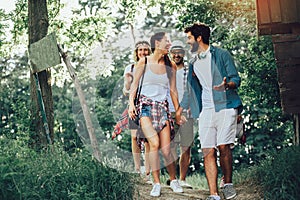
141, 83
132, 66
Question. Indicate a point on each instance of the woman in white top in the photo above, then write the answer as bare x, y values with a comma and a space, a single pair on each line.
155, 118
142, 49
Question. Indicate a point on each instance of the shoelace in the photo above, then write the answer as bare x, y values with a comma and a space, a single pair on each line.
228, 189
156, 188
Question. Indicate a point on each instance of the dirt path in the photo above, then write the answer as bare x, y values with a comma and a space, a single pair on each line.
143, 190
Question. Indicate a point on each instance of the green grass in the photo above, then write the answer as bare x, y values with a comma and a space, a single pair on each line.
278, 176
196, 180
26, 174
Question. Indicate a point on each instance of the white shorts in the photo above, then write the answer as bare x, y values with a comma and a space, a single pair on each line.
217, 128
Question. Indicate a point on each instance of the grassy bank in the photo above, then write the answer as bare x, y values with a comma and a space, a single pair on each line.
26, 174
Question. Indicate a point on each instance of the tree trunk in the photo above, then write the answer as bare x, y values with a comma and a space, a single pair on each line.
37, 29
84, 106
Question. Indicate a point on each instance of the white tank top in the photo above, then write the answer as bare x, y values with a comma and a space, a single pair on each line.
155, 86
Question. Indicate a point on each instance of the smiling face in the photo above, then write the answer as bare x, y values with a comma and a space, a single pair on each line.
142, 51
177, 55
164, 44
192, 42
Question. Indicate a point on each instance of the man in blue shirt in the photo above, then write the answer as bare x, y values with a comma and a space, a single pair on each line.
212, 87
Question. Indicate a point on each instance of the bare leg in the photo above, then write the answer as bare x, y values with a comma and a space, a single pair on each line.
226, 162
211, 171
153, 141
165, 142
173, 151
136, 152
184, 162
147, 162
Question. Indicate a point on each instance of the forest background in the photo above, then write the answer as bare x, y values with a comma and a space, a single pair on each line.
99, 37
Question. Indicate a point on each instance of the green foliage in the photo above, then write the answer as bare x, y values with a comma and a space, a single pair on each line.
266, 126
3, 25
233, 29
26, 174
64, 126
193, 11
279, 174
14, 97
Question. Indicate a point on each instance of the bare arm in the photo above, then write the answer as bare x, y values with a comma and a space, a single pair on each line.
173, 89
128, 78
133, 88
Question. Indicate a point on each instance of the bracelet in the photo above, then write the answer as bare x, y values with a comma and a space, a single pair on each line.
226, 86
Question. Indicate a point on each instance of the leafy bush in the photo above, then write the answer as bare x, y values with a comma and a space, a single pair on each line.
26, 174
279, 174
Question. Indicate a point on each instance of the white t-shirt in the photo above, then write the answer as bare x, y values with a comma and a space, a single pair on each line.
202, 69
180, 82
180, 88
128, 70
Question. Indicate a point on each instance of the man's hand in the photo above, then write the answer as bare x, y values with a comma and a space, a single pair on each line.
222, 87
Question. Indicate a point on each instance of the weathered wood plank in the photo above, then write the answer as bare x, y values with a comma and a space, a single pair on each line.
289, 11
287, 48
289, 74
278, 16
289, 86
263, 13
275, 11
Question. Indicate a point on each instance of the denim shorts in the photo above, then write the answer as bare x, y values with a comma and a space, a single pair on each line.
146, 112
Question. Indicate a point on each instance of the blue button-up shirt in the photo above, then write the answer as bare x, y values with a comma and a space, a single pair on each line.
222, 65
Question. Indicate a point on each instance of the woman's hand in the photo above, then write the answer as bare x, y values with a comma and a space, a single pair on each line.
180, 119
132, 111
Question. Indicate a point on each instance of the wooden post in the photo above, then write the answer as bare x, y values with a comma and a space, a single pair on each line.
42, 107
85, 109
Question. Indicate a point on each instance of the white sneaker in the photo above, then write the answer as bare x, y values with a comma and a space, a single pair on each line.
176, 186
184, 184
155, 192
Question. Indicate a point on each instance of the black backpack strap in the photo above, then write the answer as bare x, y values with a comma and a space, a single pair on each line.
141, 83
132, 66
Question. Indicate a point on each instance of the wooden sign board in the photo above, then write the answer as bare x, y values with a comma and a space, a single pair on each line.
278, 16
287, 48
44, 53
